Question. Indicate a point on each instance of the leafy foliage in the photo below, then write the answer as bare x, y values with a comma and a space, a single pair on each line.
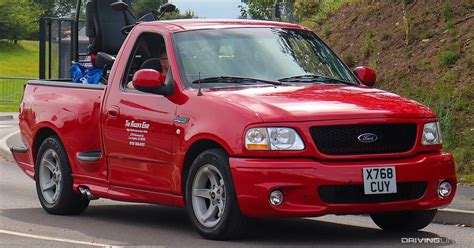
257, 9
307, 8
188, 14
142, 7
263, 9
449, 55
368, 47
19, 20
448, 12
56, 8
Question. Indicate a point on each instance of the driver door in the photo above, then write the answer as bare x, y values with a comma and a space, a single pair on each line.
138, 128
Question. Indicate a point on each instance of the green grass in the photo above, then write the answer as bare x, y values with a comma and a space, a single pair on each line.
329, 7
469, 179
452, 104
449, 55
368, 47
11, 92
9, 106
16, 60
19, 60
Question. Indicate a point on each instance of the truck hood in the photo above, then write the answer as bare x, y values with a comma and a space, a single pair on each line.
321, 102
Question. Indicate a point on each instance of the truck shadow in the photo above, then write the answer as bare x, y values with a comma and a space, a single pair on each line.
148, 225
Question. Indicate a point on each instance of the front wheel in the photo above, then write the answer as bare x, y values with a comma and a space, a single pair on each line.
210, 197
404, 221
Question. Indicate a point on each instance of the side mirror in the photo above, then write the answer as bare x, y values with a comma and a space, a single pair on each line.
148, 80
366, 75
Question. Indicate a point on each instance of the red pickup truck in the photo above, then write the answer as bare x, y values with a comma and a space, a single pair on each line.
252, 119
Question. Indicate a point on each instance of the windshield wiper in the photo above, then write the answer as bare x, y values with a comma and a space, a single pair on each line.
308, 78
233, 79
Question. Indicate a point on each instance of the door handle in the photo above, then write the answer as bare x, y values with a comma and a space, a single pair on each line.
113, 111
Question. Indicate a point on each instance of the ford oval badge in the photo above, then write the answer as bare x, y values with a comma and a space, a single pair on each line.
367, 138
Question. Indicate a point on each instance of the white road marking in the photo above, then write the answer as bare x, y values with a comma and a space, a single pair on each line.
12, 125
55, 239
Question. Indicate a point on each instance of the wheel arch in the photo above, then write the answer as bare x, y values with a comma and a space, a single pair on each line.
42, 134
194, 150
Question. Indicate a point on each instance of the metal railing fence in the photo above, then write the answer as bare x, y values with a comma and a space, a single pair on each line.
11, 88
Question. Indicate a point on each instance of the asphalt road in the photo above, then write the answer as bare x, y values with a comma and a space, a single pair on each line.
23, 223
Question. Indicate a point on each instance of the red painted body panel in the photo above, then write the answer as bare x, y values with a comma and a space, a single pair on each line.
196, 24
75, 118
87, 119
255, 178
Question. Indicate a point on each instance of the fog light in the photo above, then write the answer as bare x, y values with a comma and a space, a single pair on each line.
445, 189
276, 197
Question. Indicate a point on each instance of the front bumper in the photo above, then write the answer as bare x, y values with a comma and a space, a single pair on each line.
299, 179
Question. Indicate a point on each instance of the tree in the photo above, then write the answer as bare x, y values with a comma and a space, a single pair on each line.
142, 7
263, 9
188, 14
19, 20
257, 9
57, 8
305, 9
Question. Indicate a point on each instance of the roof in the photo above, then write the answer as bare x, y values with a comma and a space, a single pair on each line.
197, 24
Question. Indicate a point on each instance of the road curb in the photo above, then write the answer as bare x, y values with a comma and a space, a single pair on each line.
454, 217
4, 149
6, 117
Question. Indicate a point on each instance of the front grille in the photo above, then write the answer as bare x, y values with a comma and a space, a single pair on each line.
347, 194
343, 139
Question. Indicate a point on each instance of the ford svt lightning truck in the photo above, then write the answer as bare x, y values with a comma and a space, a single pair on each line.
253, 119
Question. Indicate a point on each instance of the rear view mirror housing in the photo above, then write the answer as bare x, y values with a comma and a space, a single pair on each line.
366, 75
152, 81
147, 80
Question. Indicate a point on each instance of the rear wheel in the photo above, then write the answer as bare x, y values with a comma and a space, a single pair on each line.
210, 197
404, 221
54, 181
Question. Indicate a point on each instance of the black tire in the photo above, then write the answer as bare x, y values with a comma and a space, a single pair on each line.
404, 221
67, 201
232, 223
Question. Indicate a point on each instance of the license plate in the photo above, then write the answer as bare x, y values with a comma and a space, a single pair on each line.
380, 180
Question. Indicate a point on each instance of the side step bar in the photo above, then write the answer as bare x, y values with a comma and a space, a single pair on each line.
91, 156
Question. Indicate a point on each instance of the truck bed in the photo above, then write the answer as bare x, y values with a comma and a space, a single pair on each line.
64, 108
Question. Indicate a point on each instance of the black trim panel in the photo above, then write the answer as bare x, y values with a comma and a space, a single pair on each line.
354, 193
91, 156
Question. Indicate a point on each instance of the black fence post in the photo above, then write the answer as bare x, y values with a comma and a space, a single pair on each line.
60, 49
42, 48
74, 37
50, 38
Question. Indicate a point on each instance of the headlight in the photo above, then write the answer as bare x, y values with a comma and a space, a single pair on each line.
273, 138
431, 134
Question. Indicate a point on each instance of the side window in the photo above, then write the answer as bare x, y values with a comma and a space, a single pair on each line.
149, 53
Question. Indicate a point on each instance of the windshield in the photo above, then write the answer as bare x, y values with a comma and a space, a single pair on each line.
261, 53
